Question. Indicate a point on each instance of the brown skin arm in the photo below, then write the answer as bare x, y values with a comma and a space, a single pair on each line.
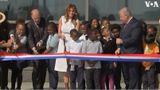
6, 45
59, 27
48, 50
19, 45
77, 24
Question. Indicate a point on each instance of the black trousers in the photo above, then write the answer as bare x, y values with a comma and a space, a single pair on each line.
0, 74
125, 71
76, 75
4, 74
39, 74
149, 78
132, 75
53, 75
16, 77
117, 76
92, 78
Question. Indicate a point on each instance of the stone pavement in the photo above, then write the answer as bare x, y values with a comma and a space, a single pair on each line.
28, 85
27, 82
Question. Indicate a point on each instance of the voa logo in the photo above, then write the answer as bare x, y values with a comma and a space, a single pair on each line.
152, 4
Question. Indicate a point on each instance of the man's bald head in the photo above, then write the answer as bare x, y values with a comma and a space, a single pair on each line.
35, 14
125, 14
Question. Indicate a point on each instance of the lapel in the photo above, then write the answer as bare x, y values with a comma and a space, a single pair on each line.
34, 26
127, 26
37, 32
129, 23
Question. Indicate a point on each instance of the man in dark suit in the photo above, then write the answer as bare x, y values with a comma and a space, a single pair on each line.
37, 42
130, 42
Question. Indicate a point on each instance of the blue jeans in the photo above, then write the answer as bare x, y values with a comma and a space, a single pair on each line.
53, 75
149, 78
77, 75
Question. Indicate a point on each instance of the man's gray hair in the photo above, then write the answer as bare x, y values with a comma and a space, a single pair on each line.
35, 10
125, 11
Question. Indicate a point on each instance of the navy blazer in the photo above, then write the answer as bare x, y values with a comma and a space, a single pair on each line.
132, 36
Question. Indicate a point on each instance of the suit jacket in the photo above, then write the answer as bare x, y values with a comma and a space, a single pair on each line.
109, 47
36, 33
4, 31
132, 36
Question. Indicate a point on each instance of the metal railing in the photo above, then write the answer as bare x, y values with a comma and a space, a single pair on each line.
112, 22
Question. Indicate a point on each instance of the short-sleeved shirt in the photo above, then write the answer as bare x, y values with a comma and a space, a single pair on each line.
83, 37
74, 47
22, 40
92, 47
151, 48
53, 42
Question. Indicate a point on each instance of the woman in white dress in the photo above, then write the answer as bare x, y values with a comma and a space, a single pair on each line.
66, 23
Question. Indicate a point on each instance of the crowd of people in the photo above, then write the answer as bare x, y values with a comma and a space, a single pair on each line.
74, 36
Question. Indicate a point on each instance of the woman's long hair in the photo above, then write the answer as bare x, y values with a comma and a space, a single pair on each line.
67, 11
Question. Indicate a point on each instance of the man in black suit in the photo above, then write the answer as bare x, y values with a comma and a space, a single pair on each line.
37, 42
130, 42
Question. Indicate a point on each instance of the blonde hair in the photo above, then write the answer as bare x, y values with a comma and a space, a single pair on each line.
71, 6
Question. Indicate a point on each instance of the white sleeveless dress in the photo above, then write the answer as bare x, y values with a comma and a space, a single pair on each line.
61, 63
